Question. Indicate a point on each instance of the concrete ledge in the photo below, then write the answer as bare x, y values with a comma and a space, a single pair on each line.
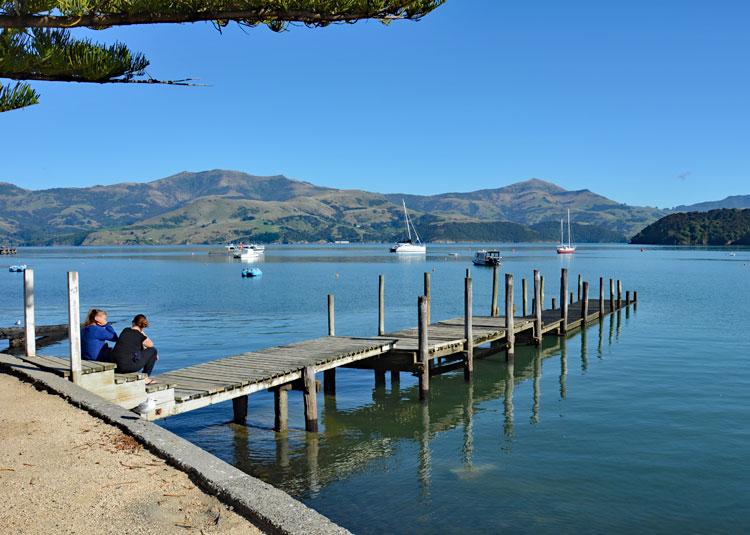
269, 508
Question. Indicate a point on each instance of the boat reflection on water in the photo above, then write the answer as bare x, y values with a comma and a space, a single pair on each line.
353, 439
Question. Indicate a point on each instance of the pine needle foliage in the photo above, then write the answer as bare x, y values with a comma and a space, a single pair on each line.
36, 44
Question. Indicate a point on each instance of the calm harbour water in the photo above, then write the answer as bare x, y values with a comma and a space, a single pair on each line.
640, 422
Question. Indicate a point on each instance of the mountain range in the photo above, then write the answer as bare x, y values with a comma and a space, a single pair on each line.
217, 206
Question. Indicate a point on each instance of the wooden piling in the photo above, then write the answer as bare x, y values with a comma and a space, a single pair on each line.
525, 308
424, 363
635, 297
495, 284
74, 327
395, 378
601, 296
239, 410
329, 382
580, 287
627, 298
427, 295
331, 317
571, 298
379, 378
29, 321
563, 300
510, 335
619, 293
611, 295
311, 399
281, 408
468, 330
537, 308
585, 304
554, 303
381, 305
541, 292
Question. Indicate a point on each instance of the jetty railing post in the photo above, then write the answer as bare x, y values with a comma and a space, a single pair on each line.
281, 408
74, 327
495, 284
29, 322
601, 297
510, 334
619, 293
611, 295
537, 308
427, 294
424, 376
563, 300
331, 317
381, 305
585, 304
468, 330
580, 286
329, 376
525, 303
311, 399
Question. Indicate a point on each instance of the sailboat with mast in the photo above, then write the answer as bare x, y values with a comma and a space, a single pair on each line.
409, 246
566, 248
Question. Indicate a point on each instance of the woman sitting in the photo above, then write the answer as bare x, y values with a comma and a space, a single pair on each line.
134, 351
95, 334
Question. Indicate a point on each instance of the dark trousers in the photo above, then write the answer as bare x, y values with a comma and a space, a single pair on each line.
144, 360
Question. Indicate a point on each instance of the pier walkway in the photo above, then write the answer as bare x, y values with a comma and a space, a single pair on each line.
428, 349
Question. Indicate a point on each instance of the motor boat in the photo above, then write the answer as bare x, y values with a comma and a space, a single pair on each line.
251, 272
487, 258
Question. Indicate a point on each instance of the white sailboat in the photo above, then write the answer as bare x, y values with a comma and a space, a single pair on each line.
566, 248
408, 246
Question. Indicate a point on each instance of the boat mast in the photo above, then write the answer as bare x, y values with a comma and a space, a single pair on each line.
562, 236
570, 235
406, 219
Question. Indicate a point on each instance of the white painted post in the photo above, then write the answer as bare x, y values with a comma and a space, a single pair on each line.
74, 327
28, 312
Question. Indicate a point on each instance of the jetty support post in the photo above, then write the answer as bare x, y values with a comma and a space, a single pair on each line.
311, 399
495, 284
585, 303
541, 292
281, 408
627, 298
554, 303
635, 296
427, 294
510, 334
619, 293
571, 299
423, 352
468, 330
611, 295
74, 327
563, 300
239, 410
601, 297
525, 302
29, 321
537, 308
381, 305
580, 287
329, 376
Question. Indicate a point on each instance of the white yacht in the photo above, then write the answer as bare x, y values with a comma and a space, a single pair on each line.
409, 246
565, 248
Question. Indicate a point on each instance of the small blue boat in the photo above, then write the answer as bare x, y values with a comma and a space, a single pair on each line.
18, 268
251, 272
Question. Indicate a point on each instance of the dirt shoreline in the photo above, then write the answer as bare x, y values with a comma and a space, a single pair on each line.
65, 471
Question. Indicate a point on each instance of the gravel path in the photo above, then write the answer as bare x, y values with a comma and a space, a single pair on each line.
64, 471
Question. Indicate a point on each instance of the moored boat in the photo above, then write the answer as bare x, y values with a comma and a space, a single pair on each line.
487, 258
566, 248
20, 268
251, 272
409, 246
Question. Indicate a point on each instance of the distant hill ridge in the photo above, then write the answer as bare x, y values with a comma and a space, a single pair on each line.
220, 205
725, 226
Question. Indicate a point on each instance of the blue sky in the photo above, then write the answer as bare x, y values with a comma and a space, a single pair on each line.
644, 102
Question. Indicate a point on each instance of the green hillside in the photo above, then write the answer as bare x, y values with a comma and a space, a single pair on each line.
216, 206
715, 227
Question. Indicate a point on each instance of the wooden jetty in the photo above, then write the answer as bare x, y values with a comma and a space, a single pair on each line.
45, 335
431, 348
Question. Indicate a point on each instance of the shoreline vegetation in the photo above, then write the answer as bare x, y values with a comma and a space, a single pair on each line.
721, 227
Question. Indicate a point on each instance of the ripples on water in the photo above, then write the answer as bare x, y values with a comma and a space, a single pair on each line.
640, 422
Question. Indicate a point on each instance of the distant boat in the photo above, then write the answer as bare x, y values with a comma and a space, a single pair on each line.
341, 242
408, 246
487, 258
453, 254
18, 268
566, 248
251, 272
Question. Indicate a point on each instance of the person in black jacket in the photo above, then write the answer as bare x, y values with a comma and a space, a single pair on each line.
134, 351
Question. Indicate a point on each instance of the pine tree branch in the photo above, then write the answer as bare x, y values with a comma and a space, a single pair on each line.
17, 96
249, 12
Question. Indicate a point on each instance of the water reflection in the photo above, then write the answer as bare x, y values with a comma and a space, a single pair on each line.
355, 438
